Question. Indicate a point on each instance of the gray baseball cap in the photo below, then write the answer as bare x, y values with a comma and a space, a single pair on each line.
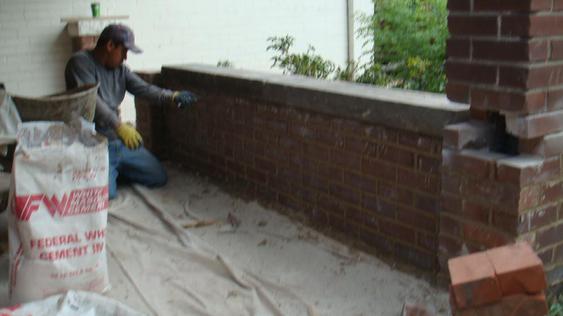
120, 34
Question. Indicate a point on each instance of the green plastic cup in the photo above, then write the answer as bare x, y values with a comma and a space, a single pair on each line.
95, 9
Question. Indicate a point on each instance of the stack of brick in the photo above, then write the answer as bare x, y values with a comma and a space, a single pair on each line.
502, 281
504, 59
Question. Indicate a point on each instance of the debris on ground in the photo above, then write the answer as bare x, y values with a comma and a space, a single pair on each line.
417, 310
233, 220
263, 242
201, 223
506, 280
262, 223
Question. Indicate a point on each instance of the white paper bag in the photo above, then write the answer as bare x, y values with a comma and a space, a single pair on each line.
58, 212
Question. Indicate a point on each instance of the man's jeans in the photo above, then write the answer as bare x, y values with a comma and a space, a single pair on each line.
138, 166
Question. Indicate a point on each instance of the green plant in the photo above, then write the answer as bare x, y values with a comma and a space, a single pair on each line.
556, 306
307, 64
405, 41
347, 73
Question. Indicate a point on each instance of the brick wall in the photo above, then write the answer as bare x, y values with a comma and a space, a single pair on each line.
490, 199
502, 178
376, 182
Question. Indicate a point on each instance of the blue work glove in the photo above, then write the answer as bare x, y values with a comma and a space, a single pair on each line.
183, 98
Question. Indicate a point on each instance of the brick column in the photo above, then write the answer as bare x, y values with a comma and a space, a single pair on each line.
501, 175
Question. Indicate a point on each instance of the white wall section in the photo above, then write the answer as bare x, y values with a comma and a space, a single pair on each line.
34, 45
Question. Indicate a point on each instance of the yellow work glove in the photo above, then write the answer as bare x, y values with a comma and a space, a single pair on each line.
129, 135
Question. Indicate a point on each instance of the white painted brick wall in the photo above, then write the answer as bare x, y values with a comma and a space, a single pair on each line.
34, 46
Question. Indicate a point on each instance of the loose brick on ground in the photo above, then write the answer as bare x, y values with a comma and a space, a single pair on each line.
514, 305
473, 280
519, 270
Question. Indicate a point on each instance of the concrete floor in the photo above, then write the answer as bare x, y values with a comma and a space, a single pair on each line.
325, 274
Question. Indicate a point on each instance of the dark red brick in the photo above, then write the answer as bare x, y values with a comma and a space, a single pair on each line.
504, 51
452, 183
450, 246
472, 25
305, 194
394, 230
376, 240
485, 236
491, 191
419, 142
531, 25
322, 169
458, 48
360, 182
316, 152
511, 5
265, 165
471, 72
418, 220
316, 182
549, 236
395, 193
422, 259
527, 77
551, 192
420, 181
396, 155
522, 175
355, 145
459, 5
558, 253
379, 206
537, 125
526, 102
471, 163
340, 224
348, 194
476, 211
554, 99
427, 241
428, 164
266, 137
457, 92
346, 159
451, 204
557, 49
426, 203
507, 222
380, 170
256, 176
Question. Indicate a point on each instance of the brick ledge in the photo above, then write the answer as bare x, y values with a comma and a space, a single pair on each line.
420, 112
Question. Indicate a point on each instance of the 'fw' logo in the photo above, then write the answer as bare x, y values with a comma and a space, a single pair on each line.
74, 203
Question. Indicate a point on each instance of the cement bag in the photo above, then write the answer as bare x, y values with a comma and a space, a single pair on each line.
71, 304
58, 211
